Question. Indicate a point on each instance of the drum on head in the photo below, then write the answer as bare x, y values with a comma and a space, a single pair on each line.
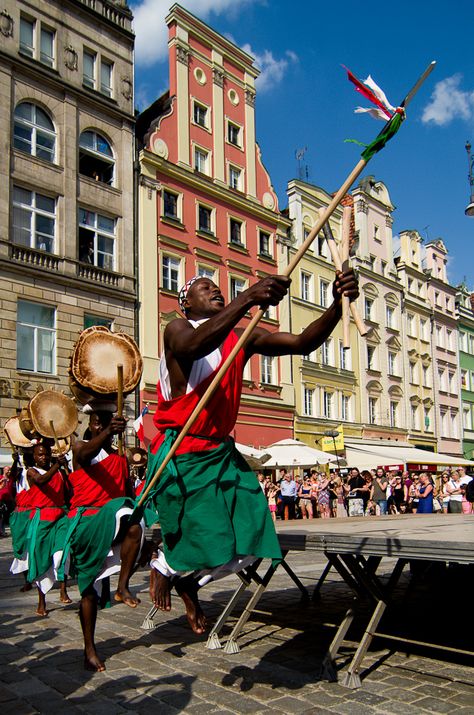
15, 433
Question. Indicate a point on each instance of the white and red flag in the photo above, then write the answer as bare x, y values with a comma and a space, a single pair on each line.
138, 425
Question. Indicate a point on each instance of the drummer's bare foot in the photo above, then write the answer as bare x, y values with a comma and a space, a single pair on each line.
186, 588
41, 611
123, 595
26, 587
160, 590
64, 596
93, 662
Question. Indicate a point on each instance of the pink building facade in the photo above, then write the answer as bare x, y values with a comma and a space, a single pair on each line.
206, 207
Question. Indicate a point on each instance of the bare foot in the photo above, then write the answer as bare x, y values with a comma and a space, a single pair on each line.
160, 590
64, 598
93, 662
187, 589
41, 612
26, 587
124, 596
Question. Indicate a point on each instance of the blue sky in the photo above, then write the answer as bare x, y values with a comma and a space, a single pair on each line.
305, 101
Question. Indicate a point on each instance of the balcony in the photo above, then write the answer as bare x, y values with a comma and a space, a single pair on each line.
32, 257
98, 275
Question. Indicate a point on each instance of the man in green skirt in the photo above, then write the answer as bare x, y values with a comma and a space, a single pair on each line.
213, 514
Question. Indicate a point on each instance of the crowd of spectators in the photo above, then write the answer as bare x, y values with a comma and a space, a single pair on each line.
367, 493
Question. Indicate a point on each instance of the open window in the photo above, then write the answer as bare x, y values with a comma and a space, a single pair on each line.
96, 159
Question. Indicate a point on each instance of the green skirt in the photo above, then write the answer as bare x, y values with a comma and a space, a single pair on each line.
38, 539
211, 508
89, 539
19, 522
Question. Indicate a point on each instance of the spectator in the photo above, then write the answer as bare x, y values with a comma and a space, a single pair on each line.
7, 499
443, 492
289, 494
272, 492
304, 494
322, 495
397, 497
424, 494
357, 488
379, 491
455, 490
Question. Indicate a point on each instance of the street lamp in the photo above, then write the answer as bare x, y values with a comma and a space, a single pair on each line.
469, 211
333, 433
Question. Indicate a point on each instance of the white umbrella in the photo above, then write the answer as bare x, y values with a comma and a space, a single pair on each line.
255, 457
293, 453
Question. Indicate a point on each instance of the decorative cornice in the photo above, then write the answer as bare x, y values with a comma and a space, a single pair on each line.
70, 58
150, 184
182, 55
388, 221
362, 206
6, 24
250, 98
218, 76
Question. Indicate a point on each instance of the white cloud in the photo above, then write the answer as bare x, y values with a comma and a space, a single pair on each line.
272, 70
449, 102
152, 33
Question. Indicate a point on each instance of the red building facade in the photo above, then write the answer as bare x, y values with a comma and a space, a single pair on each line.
207, 207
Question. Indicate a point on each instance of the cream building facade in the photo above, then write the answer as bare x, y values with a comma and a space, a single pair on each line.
326, 384
66, 209
382, 389
416, 337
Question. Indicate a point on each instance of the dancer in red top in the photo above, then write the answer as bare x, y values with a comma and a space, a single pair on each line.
99, 541
210, 506
37, 531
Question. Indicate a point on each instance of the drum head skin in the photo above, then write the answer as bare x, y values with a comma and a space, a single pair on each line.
48, 406
13, 430
96, 356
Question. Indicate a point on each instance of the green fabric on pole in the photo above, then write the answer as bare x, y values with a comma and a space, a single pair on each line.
19, 522
389, 130
211, 508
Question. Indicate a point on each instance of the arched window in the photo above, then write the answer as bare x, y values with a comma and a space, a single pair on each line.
96, 159
33, 131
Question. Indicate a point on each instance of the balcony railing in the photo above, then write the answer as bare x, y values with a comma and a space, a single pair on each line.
39, 259
98, 275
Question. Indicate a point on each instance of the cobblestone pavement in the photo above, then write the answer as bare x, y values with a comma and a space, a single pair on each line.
168, 670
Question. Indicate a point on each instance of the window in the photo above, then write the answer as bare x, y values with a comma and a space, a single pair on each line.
204, 272
323, 293
424, 329
88, 69
308, 402
410, 324
236, 286
306, 280
320, 245
170, 273
201, 160
449, 339
412, 371
377, 234
327, 352
345, 362
233, 134
327, 404
33, 131
372, 263
47, 46
371, 357
442, 380
27, 36
372, 410
97, 239
464, 379
36, 337
266, 370
200, 115
427, 412
235, 178
415, 423
264, 243
34, 219
392, 363
236, 231
90, 320
96, 159
467, 416
452, 383
204, 219
437, 300
345, 408
410, 285
368, 309
439, 336
106, 75
390, 316
393, 413
40, 47
383, 268
463, 341
170, 205
426, 375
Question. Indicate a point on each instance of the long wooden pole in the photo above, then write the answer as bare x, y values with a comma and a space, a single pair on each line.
356, 171
120, 404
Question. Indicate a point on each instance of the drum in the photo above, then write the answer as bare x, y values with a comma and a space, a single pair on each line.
93, 369
64, 447
47, 407
137, 457
15, 434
